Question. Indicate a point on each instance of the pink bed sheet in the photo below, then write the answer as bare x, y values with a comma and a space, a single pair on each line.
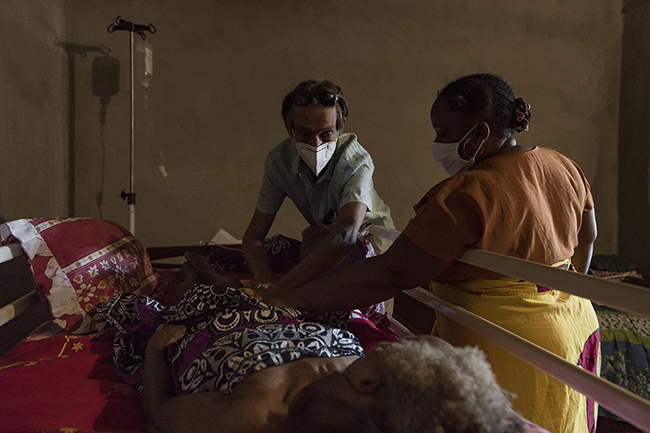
66, 383
56, 382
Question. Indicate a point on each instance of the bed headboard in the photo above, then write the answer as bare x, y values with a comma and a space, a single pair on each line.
16, 284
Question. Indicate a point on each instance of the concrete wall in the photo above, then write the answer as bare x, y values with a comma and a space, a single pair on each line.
34, 167
634, 137
221, 69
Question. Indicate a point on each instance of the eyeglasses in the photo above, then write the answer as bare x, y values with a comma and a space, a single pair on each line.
324, 99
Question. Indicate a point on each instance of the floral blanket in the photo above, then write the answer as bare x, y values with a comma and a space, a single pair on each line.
625, 349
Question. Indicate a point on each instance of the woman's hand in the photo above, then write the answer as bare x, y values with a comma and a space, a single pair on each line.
166, 336
259, 294
268, 296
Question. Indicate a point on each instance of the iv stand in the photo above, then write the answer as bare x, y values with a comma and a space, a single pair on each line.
140, 29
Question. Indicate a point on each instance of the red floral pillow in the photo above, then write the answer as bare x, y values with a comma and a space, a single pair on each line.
78, 263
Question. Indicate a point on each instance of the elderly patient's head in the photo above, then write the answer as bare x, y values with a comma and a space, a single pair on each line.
417, 384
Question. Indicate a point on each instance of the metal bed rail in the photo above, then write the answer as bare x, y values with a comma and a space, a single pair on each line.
622, 296
616, 399
625, 297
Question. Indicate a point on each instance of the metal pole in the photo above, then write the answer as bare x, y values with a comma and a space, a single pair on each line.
131, 200
140, 29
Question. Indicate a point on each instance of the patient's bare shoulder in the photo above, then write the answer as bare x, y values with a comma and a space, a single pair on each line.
250, 409
258, 404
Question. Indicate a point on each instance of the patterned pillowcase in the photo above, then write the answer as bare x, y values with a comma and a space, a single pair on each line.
78, 263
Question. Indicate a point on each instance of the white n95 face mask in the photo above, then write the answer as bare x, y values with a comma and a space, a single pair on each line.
446, 154
316, 158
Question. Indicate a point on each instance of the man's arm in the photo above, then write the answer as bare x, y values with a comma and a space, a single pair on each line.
333, 248
254, 251
586, 237
403, 266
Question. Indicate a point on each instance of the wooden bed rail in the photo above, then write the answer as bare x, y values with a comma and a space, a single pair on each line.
17, 307
616, 399
9, 252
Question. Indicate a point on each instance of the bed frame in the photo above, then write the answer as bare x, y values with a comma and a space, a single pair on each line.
21, 311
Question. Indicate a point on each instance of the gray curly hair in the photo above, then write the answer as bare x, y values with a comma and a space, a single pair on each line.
432, 386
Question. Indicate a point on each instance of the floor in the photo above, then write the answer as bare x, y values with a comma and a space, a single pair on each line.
609, 425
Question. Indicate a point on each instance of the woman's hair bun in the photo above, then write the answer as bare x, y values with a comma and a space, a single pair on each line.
521, 115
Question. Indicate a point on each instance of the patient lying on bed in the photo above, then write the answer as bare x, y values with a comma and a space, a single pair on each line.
221, 361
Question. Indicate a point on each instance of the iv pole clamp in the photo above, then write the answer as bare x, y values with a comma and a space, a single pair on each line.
140, 29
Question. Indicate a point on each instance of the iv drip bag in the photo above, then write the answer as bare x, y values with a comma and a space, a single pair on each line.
144, 68
145, 63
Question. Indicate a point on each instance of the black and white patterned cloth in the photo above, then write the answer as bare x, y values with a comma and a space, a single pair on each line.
229, 335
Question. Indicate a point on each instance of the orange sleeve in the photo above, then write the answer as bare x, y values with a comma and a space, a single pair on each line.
589, 200
447, 221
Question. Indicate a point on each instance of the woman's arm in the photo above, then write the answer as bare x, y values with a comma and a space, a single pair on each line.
586, 237
403, 266
329, 251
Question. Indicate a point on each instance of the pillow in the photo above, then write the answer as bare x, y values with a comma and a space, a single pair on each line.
78, 263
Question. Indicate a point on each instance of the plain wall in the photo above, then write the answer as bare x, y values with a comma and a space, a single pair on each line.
221, 69
634, 136
34, 154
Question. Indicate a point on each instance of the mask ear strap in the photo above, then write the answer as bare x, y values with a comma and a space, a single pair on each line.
463, 143
480, 149
481, 146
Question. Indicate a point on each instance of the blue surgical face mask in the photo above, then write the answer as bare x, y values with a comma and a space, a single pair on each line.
446, 154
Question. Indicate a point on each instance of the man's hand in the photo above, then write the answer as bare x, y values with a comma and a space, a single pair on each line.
261, 281
166, 336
